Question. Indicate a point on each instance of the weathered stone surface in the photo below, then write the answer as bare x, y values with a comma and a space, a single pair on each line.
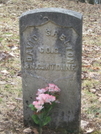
50, 41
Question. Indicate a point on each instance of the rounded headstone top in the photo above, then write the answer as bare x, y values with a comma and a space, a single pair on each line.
54, 10
59, 16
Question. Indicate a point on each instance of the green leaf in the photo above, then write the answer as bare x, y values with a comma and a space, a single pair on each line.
46, 120
50, 108
36, 119
47, 109
32, 107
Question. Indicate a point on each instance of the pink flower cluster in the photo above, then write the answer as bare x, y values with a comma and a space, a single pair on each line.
52, 88
46, 95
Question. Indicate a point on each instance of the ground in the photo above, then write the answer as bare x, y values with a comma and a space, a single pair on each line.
11, 109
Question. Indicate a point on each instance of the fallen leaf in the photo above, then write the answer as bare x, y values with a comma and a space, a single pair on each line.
90, 130
1, 129
2, 82
84, 124
27, 130
5, 55
11, 103
35, 131
19, 99
12, 54
99, 95
96, 68
12, 83
100, 99
93, 90
5, 72
11, 107
14, 48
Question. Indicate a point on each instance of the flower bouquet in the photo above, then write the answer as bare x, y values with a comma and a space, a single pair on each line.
45, 101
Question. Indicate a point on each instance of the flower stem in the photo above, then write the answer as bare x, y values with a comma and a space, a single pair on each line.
40, 130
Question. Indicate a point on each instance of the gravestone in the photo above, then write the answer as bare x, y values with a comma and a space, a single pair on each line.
50, 41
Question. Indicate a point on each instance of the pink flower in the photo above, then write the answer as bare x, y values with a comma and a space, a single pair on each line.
38, 105
49, 98
46, 98
41, 91
53, 88
51, 85
40, 97
43, 96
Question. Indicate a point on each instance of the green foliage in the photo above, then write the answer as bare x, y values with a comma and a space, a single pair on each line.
36, 119
32, 107
41, 118
46, 120
45, 101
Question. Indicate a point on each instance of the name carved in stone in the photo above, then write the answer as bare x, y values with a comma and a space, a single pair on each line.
69, 64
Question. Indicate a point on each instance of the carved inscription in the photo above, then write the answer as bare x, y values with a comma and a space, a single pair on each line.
51, 33
52, 66
48, 50
29, 48
69, 62
62, 37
